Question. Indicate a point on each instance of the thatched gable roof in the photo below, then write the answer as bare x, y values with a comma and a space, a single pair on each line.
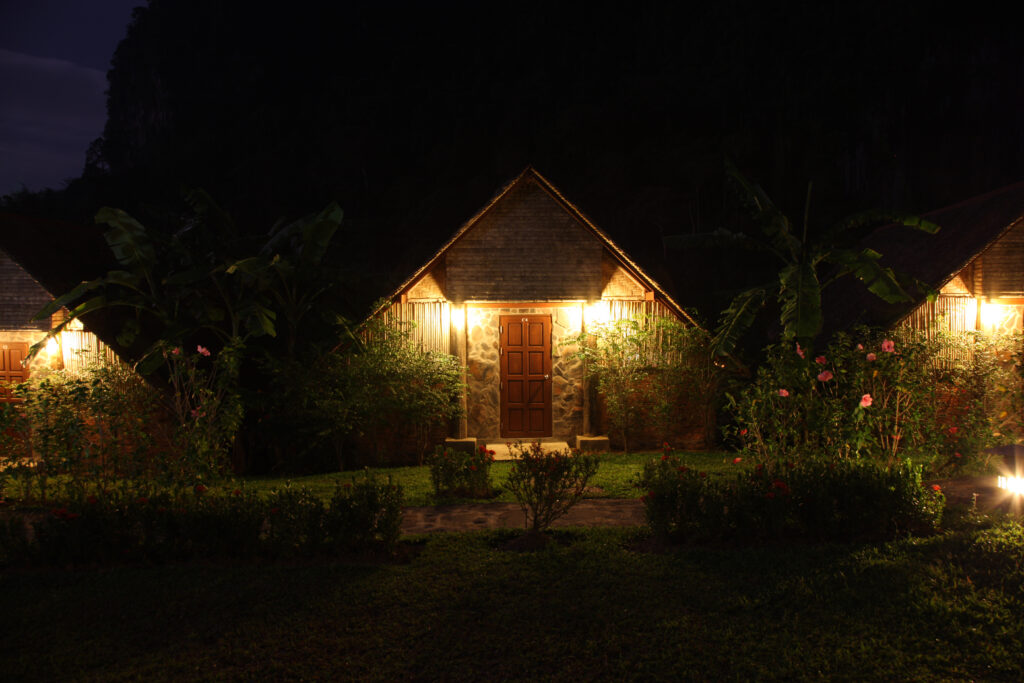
530, 174
966, 230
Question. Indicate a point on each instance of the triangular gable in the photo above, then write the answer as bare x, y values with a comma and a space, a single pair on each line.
529, 243
21, 297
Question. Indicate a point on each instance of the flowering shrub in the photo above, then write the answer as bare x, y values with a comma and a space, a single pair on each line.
653, 374
102, 423
878, 397
547, 485
837, 501
206, 405
680, 502
461, 473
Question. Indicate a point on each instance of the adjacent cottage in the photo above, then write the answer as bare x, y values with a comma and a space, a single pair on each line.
526, 273
975, 263
21, 297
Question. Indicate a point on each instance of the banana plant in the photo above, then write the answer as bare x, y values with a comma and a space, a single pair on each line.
174, 287
802, 264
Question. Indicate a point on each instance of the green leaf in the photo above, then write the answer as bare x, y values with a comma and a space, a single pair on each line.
737, 319
866, 266
127, 239
800, 297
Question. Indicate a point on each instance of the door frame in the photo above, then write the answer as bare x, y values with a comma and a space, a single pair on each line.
548, 407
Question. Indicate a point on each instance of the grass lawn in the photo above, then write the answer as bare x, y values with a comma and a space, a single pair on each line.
614, 476
589, 607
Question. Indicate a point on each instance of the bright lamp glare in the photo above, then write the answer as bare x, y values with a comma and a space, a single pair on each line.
1011, 484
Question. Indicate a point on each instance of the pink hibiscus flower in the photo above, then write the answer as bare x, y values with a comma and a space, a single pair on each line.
825, 376
865, 400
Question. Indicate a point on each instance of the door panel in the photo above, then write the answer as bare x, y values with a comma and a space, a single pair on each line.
12, 354
525, 376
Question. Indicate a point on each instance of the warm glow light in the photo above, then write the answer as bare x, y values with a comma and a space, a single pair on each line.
993, 315
458, 317
575, 316
971, 315
473, 316
597, 313
52, 347
1011, 484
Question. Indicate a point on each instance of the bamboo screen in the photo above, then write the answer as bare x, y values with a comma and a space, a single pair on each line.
951, 314
80, 348
428, 323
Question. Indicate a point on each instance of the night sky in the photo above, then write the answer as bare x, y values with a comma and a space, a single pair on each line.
411, 115
54, 56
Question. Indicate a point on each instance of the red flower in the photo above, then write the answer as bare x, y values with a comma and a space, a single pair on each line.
142, 500
664, 458
780, 485
737, 461
871, 357
799, 351
203, 351
936, 487
954, 430
200, 488
760, 467
956, 455
236, 492
783, 393
684, 469
865, 401
825, 376
888, 345
820, 360
743, 432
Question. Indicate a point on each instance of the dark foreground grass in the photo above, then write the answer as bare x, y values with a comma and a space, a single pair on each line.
585, 608
614, 478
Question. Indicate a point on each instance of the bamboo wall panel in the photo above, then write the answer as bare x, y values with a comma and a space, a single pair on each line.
428, 323
80, 348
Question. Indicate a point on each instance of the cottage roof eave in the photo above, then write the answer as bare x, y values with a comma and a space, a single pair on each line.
548, 187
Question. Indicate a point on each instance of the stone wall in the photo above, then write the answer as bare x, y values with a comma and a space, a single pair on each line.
484, 371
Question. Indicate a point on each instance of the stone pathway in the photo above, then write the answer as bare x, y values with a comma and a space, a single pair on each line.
474, 516
630, 511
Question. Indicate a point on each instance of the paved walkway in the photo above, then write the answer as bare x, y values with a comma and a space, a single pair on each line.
473, 516
630, 511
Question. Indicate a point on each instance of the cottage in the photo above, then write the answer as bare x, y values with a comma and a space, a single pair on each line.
21, 297
975, 263
526, 273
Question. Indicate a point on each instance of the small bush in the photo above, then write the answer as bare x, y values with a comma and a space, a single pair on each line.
463, 474
547, 485
365, 514
143, 524
846, 500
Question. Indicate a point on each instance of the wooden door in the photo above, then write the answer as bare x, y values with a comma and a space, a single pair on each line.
525, 376
11, 370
